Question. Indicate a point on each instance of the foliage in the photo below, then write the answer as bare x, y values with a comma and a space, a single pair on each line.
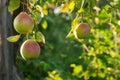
13, 5
96, 57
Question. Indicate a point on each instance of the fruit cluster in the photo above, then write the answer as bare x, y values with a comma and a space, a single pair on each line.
30, 49
23, 24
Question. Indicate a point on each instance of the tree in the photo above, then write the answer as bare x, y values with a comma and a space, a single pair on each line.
8, 70
67, 55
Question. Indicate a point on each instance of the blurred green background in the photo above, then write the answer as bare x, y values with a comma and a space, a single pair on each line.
96, 57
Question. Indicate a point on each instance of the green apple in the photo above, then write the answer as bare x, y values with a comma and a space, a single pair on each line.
81, 31
23, 23
30, 49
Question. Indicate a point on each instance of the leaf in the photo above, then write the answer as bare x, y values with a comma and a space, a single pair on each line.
44, 24
70, 35
13, 38
104, 16
92, 3
119, 22
39, 37
39, 8
14, 4
65, 8
45, 11
77, 70
81, 10
71, 6
72, 65
75, 22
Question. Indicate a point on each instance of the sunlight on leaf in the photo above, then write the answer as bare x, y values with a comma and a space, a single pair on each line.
77, 70
119, 22
44, 24
65, 8
54, 75
39, 8
72, 65
45, 12
75, 22
71, 6
81, 10
13, 38
96, 8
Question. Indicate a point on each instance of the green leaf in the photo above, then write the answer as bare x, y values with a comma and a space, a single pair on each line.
104, 14
92, 3
13, 38
81, 10
70, 35
39, 37
14, 4
44, 24
75, 22
77, 70
72, 6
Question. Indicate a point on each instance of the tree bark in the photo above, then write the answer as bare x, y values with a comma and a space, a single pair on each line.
7, 68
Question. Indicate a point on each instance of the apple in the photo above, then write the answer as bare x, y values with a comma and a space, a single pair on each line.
23, 23
30, 49
81, 31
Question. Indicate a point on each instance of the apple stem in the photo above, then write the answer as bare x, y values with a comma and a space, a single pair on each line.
27, 36
82, 17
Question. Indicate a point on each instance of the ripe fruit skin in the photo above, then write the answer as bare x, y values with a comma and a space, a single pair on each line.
82, 31
30, 49
23, 23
